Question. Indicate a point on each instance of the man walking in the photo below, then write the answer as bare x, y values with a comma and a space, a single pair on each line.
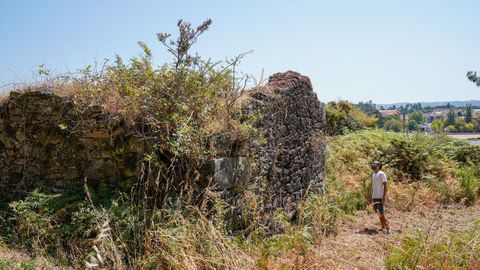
379, 194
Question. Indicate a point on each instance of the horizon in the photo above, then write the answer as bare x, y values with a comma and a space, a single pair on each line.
376, 51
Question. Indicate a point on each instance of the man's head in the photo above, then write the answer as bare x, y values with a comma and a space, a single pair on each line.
376, 165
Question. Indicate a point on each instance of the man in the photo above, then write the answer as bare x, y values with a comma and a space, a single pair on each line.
379, 194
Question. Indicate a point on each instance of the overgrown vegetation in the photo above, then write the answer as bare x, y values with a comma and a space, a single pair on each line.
420, 250
104, 227
171, 217
178, 236
343, 117
422, 170
447, 167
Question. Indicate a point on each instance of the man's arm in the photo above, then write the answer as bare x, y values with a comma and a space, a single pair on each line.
384, 192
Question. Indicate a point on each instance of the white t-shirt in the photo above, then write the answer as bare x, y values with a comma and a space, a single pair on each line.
378, 179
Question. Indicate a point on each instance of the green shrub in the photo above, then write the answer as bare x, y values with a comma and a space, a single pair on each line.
437, 126
343, 117
451, 128
409, 155
412, 125
393, 124
5, 265
36, 224
469, 183
416, 116
28, 265
469, 127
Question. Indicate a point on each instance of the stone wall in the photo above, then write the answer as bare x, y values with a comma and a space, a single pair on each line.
292, 162
45, 140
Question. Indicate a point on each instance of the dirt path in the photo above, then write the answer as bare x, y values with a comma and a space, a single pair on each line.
360, 246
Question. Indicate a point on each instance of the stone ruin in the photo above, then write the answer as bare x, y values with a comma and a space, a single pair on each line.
292, 162
47, 141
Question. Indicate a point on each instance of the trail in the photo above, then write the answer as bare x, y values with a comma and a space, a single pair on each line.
359, 246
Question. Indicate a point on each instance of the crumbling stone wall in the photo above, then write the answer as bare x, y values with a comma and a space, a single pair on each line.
45, 140
292, 162
293, 120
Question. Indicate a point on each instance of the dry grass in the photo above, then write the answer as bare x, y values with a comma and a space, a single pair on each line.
14, 259
359, 246
3, 98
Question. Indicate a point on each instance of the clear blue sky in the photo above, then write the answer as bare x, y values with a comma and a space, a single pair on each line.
387, 51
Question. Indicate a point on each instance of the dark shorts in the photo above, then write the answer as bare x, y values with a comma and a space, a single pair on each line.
378, 206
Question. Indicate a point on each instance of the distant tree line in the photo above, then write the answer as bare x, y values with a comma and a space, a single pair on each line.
344, 117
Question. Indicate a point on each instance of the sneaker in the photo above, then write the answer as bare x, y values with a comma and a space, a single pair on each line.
387, 231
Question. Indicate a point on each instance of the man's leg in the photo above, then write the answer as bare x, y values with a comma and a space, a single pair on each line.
381, 220
384, 221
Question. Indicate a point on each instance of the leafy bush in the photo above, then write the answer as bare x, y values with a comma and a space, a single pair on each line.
393, 124
469, 183
37, 226
412, 125
342, 117
469, 127
416, 116
409, 156
5, 265
451, 128
437, 126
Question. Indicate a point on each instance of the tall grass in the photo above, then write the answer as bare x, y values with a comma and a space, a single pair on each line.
179, 236
455, 250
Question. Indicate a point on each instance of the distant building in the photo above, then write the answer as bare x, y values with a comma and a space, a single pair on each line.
436, 114
427, 128
476, 113
443, 113
389, 112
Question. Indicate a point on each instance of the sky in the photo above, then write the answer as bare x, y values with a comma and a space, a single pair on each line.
385, 51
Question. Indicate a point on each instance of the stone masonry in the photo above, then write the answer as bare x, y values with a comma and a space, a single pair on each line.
48, 141
45, 141
293, 159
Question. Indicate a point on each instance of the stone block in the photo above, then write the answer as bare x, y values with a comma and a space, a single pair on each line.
231, 172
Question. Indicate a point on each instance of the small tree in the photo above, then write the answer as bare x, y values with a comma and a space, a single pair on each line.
468, 115
412, 125
416, 116
393, 124
451, 118
342, 117
437, 126
460, 124
451, 128
469, 127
